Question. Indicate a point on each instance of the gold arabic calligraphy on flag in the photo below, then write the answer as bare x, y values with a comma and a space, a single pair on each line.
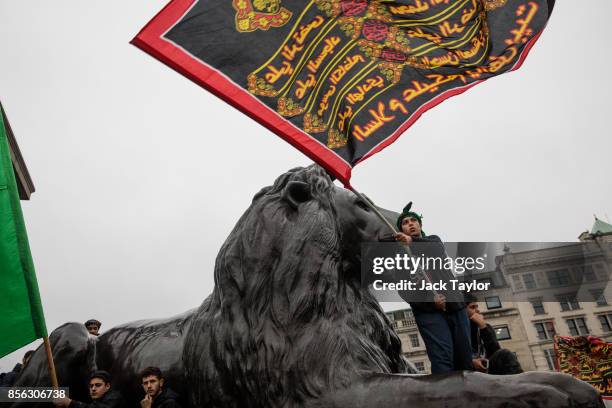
342, 57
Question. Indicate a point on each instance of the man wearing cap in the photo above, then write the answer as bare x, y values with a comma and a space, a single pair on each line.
440, 315
102, 396
93, 327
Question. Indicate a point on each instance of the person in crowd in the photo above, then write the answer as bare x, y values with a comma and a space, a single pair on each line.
93, 327
157, 395
8, 379
504, 362
488, 356
440, 315
101, 393
482, 336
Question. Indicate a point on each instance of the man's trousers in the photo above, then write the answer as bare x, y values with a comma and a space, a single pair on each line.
447, 339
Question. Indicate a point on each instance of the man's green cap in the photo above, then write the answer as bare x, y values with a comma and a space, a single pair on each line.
407, 213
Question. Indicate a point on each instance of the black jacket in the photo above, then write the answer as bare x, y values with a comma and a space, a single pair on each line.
8, 379
166, 399
484, 341
112, 399
432, 247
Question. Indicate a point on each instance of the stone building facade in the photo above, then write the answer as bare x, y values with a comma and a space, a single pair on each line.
413, 347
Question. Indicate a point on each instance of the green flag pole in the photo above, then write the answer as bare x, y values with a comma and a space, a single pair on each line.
50, 362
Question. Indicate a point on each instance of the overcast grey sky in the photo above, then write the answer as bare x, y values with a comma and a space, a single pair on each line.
141, 174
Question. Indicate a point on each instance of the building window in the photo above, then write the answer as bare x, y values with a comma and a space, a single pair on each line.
558, 278
601, 300
414, 340
529, 281
550, 358
402, 318
420, 366
546, 330
577, 326
584, 273
568, 302
493, 302
598, 296
538, 306
399, 315
502, 333
605, 321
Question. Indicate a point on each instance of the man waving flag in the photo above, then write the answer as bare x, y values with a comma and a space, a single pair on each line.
342, 79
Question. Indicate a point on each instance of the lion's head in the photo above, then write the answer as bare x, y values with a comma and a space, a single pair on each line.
288, 318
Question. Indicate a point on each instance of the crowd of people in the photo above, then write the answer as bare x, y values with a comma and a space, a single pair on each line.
103, 395
101, 391
456, 335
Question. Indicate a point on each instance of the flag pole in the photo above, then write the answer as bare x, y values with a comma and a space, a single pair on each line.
50, 362
373, 207
370, 204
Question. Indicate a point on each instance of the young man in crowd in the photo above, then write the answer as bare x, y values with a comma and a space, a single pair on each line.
440, 315
483, 338
487, 354
101, 394
93, 327
157, 395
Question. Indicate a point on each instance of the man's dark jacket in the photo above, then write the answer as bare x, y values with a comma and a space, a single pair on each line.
432, 247
166, 399
112, 399
484, 341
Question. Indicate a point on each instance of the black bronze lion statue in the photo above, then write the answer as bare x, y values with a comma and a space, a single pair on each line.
289, 325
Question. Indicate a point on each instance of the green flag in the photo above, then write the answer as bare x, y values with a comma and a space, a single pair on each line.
21, 315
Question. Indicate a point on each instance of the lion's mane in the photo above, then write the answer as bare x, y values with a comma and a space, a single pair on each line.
287, 319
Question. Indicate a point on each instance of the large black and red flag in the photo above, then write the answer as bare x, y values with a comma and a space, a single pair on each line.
342, 79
